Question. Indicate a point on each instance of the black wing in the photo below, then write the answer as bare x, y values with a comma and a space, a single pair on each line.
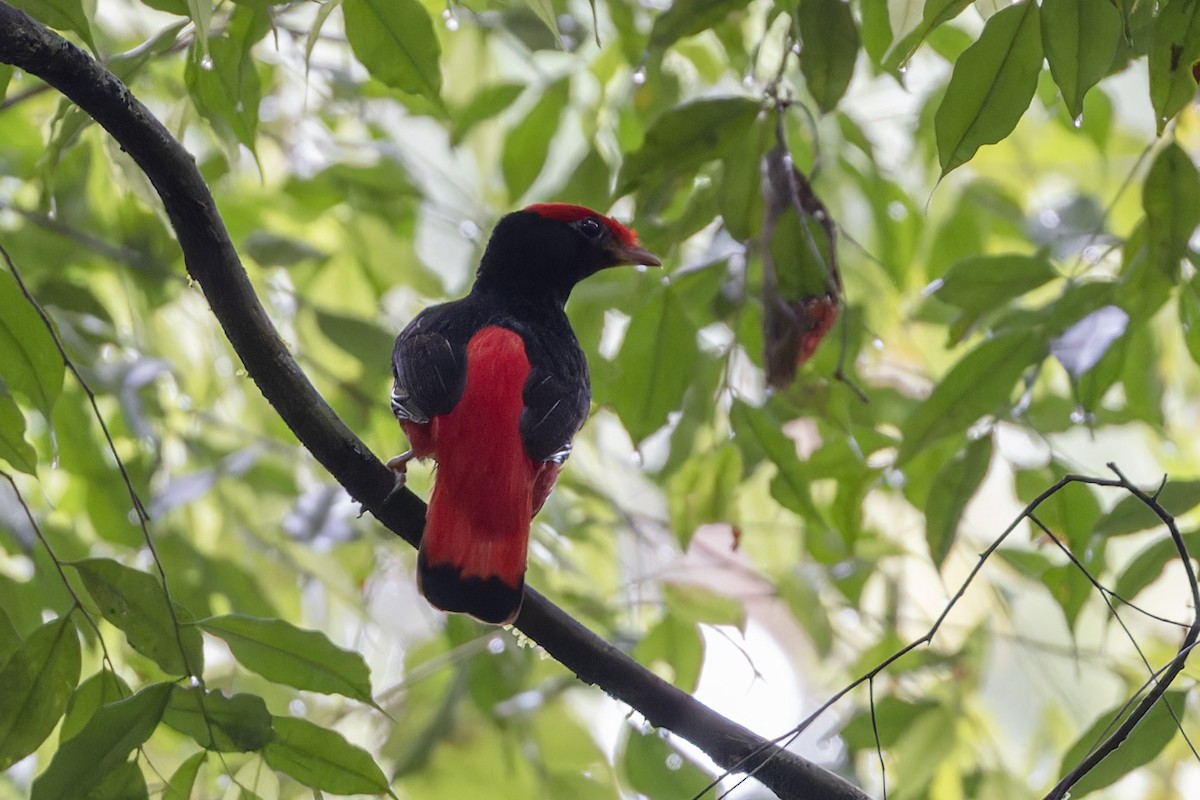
555, 410
429, 371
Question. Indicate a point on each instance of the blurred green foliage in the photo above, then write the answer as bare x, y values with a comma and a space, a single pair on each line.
1015, 195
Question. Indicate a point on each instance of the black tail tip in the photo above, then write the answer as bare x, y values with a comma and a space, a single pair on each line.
488, 600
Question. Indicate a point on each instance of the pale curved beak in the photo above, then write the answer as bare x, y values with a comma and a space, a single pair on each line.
632, 254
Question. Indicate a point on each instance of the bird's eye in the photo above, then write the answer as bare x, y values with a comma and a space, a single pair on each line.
591, 227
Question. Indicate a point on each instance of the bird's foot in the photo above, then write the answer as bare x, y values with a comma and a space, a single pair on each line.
399, 465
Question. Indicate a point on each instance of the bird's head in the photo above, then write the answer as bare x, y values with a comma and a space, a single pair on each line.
546, 248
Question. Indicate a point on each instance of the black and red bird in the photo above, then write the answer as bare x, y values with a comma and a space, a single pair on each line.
493, 387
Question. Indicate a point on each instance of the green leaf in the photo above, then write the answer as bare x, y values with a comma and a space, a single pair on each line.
181, 783
528, 143
113, 732
991, 86
29, 360
655, 365
758, 428
829, 40
954, 486
1171, 200
1174, 51
689, 17
487, 103
1189, 317
910, 30
1071, 512
677, 645
223, 79
1145, 742
360, 338
1080, 38
66, 15
99, 690
238, 723
544, 10
739, 194
395, 41
1132, 515
688, 135
704, 490
125, 781
13, 447
275, 250
1148, 564
322, 759
283, 653
699, 605
35, 686
801, 595
980, 383
893, 718
978, 285
135, 602
655, 769
10, 639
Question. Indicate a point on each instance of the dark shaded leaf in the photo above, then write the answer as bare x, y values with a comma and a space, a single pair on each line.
283, 653
991, 86
238, 723
135, 602
106, 740
322, 759
35, 686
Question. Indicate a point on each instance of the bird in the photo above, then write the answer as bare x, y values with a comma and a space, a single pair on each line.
493, 387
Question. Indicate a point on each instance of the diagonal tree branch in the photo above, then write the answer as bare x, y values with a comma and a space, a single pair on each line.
214, 264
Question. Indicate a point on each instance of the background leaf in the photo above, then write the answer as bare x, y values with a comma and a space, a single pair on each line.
289, 655
991, 86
